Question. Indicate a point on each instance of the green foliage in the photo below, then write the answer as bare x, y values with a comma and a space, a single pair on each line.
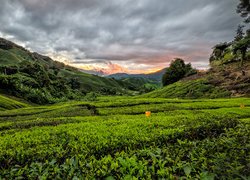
243, 9
8, 103
187, 139
189, 89
239, 33
237, 50
148, 87
242, 46
91, 96
31, 81
228, 57
143, 85
221, 46
219, 51
248, 55
8, 58
176, 71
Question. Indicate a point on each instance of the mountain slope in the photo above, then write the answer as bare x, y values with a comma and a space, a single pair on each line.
229, 74
200, 88
220, 81
7, 103
40, 79
155, 76
232, 77
142, 83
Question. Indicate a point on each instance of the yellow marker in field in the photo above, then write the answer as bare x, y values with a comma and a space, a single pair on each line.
148, 113
242, 106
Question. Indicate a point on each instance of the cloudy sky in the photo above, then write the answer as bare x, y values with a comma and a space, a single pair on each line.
120, 35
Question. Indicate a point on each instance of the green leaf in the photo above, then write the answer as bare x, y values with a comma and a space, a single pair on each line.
110, 178
187, 170
207, 176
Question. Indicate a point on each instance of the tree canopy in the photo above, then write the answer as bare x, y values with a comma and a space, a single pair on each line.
243, 9
239, 33
176, 71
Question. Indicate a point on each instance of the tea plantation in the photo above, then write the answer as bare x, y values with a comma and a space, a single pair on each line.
111, 138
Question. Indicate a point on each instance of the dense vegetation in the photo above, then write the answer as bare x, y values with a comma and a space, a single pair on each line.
176, 71
111, 138
152, 78
235, 51
35, 83
243, 9
141, 85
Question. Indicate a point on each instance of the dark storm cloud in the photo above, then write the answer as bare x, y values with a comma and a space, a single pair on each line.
139, 32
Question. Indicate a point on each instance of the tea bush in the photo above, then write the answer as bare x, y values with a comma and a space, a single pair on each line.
111, 138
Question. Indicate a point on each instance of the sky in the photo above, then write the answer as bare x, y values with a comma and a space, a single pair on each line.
132, 36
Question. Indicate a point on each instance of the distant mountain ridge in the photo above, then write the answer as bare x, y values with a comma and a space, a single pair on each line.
157, 76
93, 72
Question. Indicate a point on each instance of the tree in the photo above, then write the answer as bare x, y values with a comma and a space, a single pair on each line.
176, 71
239, 33
219, 51
242, 46
74, 83
243, 9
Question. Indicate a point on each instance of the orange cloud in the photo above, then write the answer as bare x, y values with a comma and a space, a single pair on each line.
141, 64
106, 68
112, 68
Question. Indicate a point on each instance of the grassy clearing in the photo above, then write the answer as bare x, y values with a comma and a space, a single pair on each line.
111, 138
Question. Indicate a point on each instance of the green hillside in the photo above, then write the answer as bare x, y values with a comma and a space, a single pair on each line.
225, 80
141, 84
8, 58
154, 77
8, 103
200, 88
229, 75
89, 82
41, 80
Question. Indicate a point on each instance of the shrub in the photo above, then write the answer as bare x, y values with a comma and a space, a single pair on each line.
91, 96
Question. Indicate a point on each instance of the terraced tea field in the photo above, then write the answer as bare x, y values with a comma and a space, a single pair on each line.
112, 138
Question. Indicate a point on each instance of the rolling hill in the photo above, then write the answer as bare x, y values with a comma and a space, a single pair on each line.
200, 88
229, 75
155, 76
224, 80
40, 79
144, 82
7, 103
